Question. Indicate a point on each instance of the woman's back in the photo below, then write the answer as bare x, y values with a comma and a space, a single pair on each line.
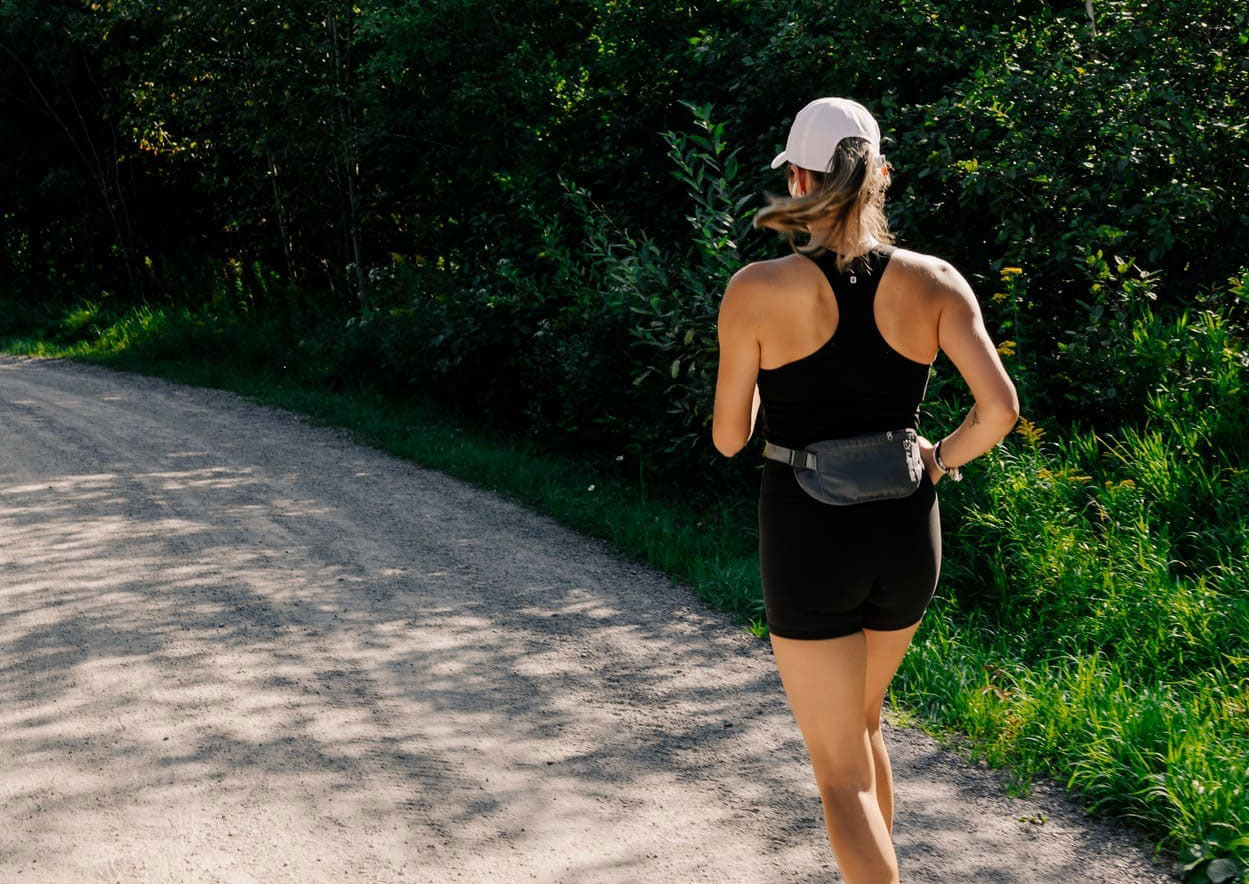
843, 353
828, 353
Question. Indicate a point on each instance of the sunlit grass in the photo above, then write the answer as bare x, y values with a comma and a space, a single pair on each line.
1092, 622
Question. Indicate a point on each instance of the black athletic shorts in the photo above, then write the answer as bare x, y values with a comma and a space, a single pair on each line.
830, 570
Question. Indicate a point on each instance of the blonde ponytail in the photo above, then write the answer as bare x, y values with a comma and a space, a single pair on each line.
850, 194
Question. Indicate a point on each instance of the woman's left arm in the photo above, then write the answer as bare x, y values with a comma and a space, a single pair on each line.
737, 392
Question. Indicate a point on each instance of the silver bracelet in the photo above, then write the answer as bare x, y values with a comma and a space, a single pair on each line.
955, 473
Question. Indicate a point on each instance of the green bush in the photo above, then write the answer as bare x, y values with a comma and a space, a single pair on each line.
544, 252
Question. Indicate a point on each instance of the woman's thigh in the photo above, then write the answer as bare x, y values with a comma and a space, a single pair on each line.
885, 650
825, 682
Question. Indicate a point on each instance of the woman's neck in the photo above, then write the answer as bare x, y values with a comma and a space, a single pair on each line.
820, 238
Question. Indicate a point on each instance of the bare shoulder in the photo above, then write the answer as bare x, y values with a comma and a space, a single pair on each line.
753, 285
763, 274
931, 277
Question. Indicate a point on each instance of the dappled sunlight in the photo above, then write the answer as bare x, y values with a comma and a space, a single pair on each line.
230, 638
321, 644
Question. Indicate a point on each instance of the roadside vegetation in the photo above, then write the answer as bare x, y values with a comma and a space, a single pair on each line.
507, 264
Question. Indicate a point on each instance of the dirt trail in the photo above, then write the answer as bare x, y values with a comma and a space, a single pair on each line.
238, 648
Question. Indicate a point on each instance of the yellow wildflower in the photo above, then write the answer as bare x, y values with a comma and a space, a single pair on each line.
1030, 431
1000, 296
1007, 271
1006, 348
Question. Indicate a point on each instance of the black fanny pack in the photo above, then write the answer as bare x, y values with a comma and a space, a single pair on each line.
874, 466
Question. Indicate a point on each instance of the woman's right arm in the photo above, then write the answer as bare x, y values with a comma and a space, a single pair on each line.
961, 335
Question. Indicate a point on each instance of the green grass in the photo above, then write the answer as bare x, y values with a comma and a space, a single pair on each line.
711, 548
1092, 622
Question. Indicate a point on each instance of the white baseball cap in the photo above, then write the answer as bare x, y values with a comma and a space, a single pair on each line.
818, 129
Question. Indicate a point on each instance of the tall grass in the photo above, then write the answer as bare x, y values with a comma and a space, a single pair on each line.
1070, 641
1094, 625
1092, 622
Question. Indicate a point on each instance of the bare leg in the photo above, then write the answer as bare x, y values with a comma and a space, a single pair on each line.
885, 650
825, 681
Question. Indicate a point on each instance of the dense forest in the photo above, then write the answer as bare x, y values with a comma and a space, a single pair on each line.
503, 196
527, 213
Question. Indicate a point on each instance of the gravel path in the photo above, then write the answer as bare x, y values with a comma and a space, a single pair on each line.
235, 647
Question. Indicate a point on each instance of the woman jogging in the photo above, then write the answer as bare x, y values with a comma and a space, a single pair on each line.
831, 342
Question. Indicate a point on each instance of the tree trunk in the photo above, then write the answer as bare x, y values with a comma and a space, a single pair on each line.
346, 145
280, 209
279, 205
95, 166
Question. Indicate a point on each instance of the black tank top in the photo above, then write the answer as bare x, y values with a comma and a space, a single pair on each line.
855, 382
